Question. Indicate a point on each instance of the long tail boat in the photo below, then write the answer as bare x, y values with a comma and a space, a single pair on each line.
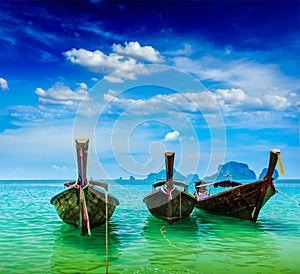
169, 202
243, 201
85, 204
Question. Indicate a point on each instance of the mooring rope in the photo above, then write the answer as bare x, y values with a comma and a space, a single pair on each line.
85, 211
106, 230
82, 183
163, 231
284, 194
180, 205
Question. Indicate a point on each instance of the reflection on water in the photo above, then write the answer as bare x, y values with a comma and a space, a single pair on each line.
254, 246
72, 252
170, 247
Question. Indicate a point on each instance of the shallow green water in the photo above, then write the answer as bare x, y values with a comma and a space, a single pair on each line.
34, 239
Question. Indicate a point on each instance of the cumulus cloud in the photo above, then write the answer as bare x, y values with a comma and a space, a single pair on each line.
122, 62
136, 51
186, 102
97, 61
229, 100
233, 105
172, 136
277, 102
3, 84
232, 99
61, 94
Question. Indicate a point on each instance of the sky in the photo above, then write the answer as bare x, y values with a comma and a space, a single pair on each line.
213, 81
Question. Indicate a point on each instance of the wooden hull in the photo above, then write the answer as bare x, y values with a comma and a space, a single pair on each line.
67, 205
244, 201
179, 207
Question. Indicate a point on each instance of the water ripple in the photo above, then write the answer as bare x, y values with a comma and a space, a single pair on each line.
34, 239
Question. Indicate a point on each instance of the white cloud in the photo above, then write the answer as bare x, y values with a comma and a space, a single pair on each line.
30, 115
232, 99
232, 95
59, 168
97, 30
277, 102
83, 86
113, 79
229, 100
3, 84
250, 76
172, 136
234, 106
122, 62
60, 94
185, 51
184, 102
97, 61
136, 51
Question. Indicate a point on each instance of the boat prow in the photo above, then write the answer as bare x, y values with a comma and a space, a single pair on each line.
169, 202
84, 204
243, 201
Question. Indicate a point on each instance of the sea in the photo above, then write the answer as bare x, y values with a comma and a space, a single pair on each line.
33, 239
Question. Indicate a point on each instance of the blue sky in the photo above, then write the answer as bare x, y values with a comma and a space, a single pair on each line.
213, 81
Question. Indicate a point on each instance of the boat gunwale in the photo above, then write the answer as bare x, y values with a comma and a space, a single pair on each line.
233, 188
91, 187
157, 191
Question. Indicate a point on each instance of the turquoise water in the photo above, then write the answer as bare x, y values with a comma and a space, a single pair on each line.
34, 239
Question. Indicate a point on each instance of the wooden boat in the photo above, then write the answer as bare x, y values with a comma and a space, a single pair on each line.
169, 202
243, 201
85, 204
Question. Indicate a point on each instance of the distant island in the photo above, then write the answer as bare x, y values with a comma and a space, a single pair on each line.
235, 170
176, 176
264, 172
232, 169
161, 175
